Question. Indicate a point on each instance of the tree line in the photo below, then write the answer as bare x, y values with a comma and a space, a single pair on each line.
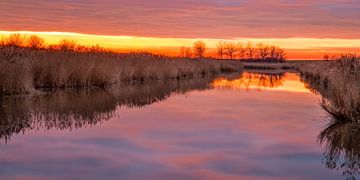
232, 50
36, 42
224, 49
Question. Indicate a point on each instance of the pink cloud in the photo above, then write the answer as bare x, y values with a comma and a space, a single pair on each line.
191, 19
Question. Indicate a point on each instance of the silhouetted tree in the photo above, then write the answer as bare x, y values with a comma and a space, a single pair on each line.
16, 40
67, 44
230, 49
185, 52
263, 51
220, 49
97, 48
199, 49
182, 51
250, 50
277, 54
326, 57
241, 50
35, 42
188, 53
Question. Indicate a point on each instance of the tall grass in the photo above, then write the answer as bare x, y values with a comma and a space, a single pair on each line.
25, 69
339, 83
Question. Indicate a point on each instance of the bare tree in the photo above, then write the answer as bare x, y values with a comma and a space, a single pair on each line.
35, 42
16, 40
220, 49
67, 44
185, 52
188, 53
182, 51
326, 57
277, 54
230, 49
199, 49
280, 55
97, 48
241, 50
272, 52
263, 51
250, 50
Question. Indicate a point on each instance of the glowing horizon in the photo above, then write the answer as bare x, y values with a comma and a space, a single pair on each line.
296, 48
305, 29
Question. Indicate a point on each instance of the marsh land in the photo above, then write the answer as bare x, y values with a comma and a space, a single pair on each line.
136, 115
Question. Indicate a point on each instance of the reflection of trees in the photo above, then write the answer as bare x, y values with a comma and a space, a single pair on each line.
76, 109
266, 80
248, 80
342, 147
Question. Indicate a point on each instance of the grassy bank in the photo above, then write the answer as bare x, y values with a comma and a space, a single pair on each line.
339, 83
24, 69
267, 66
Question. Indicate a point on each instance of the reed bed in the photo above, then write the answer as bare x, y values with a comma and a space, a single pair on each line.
339, 83
24, 69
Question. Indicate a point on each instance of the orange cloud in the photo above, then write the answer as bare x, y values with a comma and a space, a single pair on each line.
225, 19
296, 48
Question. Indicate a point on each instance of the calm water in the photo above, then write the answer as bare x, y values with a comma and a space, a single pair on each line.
251, 126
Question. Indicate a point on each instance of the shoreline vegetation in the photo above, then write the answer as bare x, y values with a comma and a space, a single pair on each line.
338, 81
28, 65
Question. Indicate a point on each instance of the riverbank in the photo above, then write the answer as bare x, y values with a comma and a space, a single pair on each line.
339, 83
25, 70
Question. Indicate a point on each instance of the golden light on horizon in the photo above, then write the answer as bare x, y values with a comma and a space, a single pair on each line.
250, 81
170, 45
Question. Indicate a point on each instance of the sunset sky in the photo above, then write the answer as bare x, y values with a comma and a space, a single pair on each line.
306, 29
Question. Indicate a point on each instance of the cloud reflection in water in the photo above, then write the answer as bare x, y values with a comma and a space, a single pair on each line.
245, 134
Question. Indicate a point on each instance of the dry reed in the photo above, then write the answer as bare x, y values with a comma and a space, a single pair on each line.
339, 83
25, 69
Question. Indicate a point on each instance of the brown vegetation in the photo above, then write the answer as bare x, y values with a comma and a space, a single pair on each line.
199, 49
339, 83
24, 69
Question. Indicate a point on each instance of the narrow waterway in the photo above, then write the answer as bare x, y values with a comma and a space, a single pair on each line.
250, 125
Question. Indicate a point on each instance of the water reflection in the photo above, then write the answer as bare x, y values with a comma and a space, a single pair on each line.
341, 137
76, 109
342, 147
251, 80
214, 132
